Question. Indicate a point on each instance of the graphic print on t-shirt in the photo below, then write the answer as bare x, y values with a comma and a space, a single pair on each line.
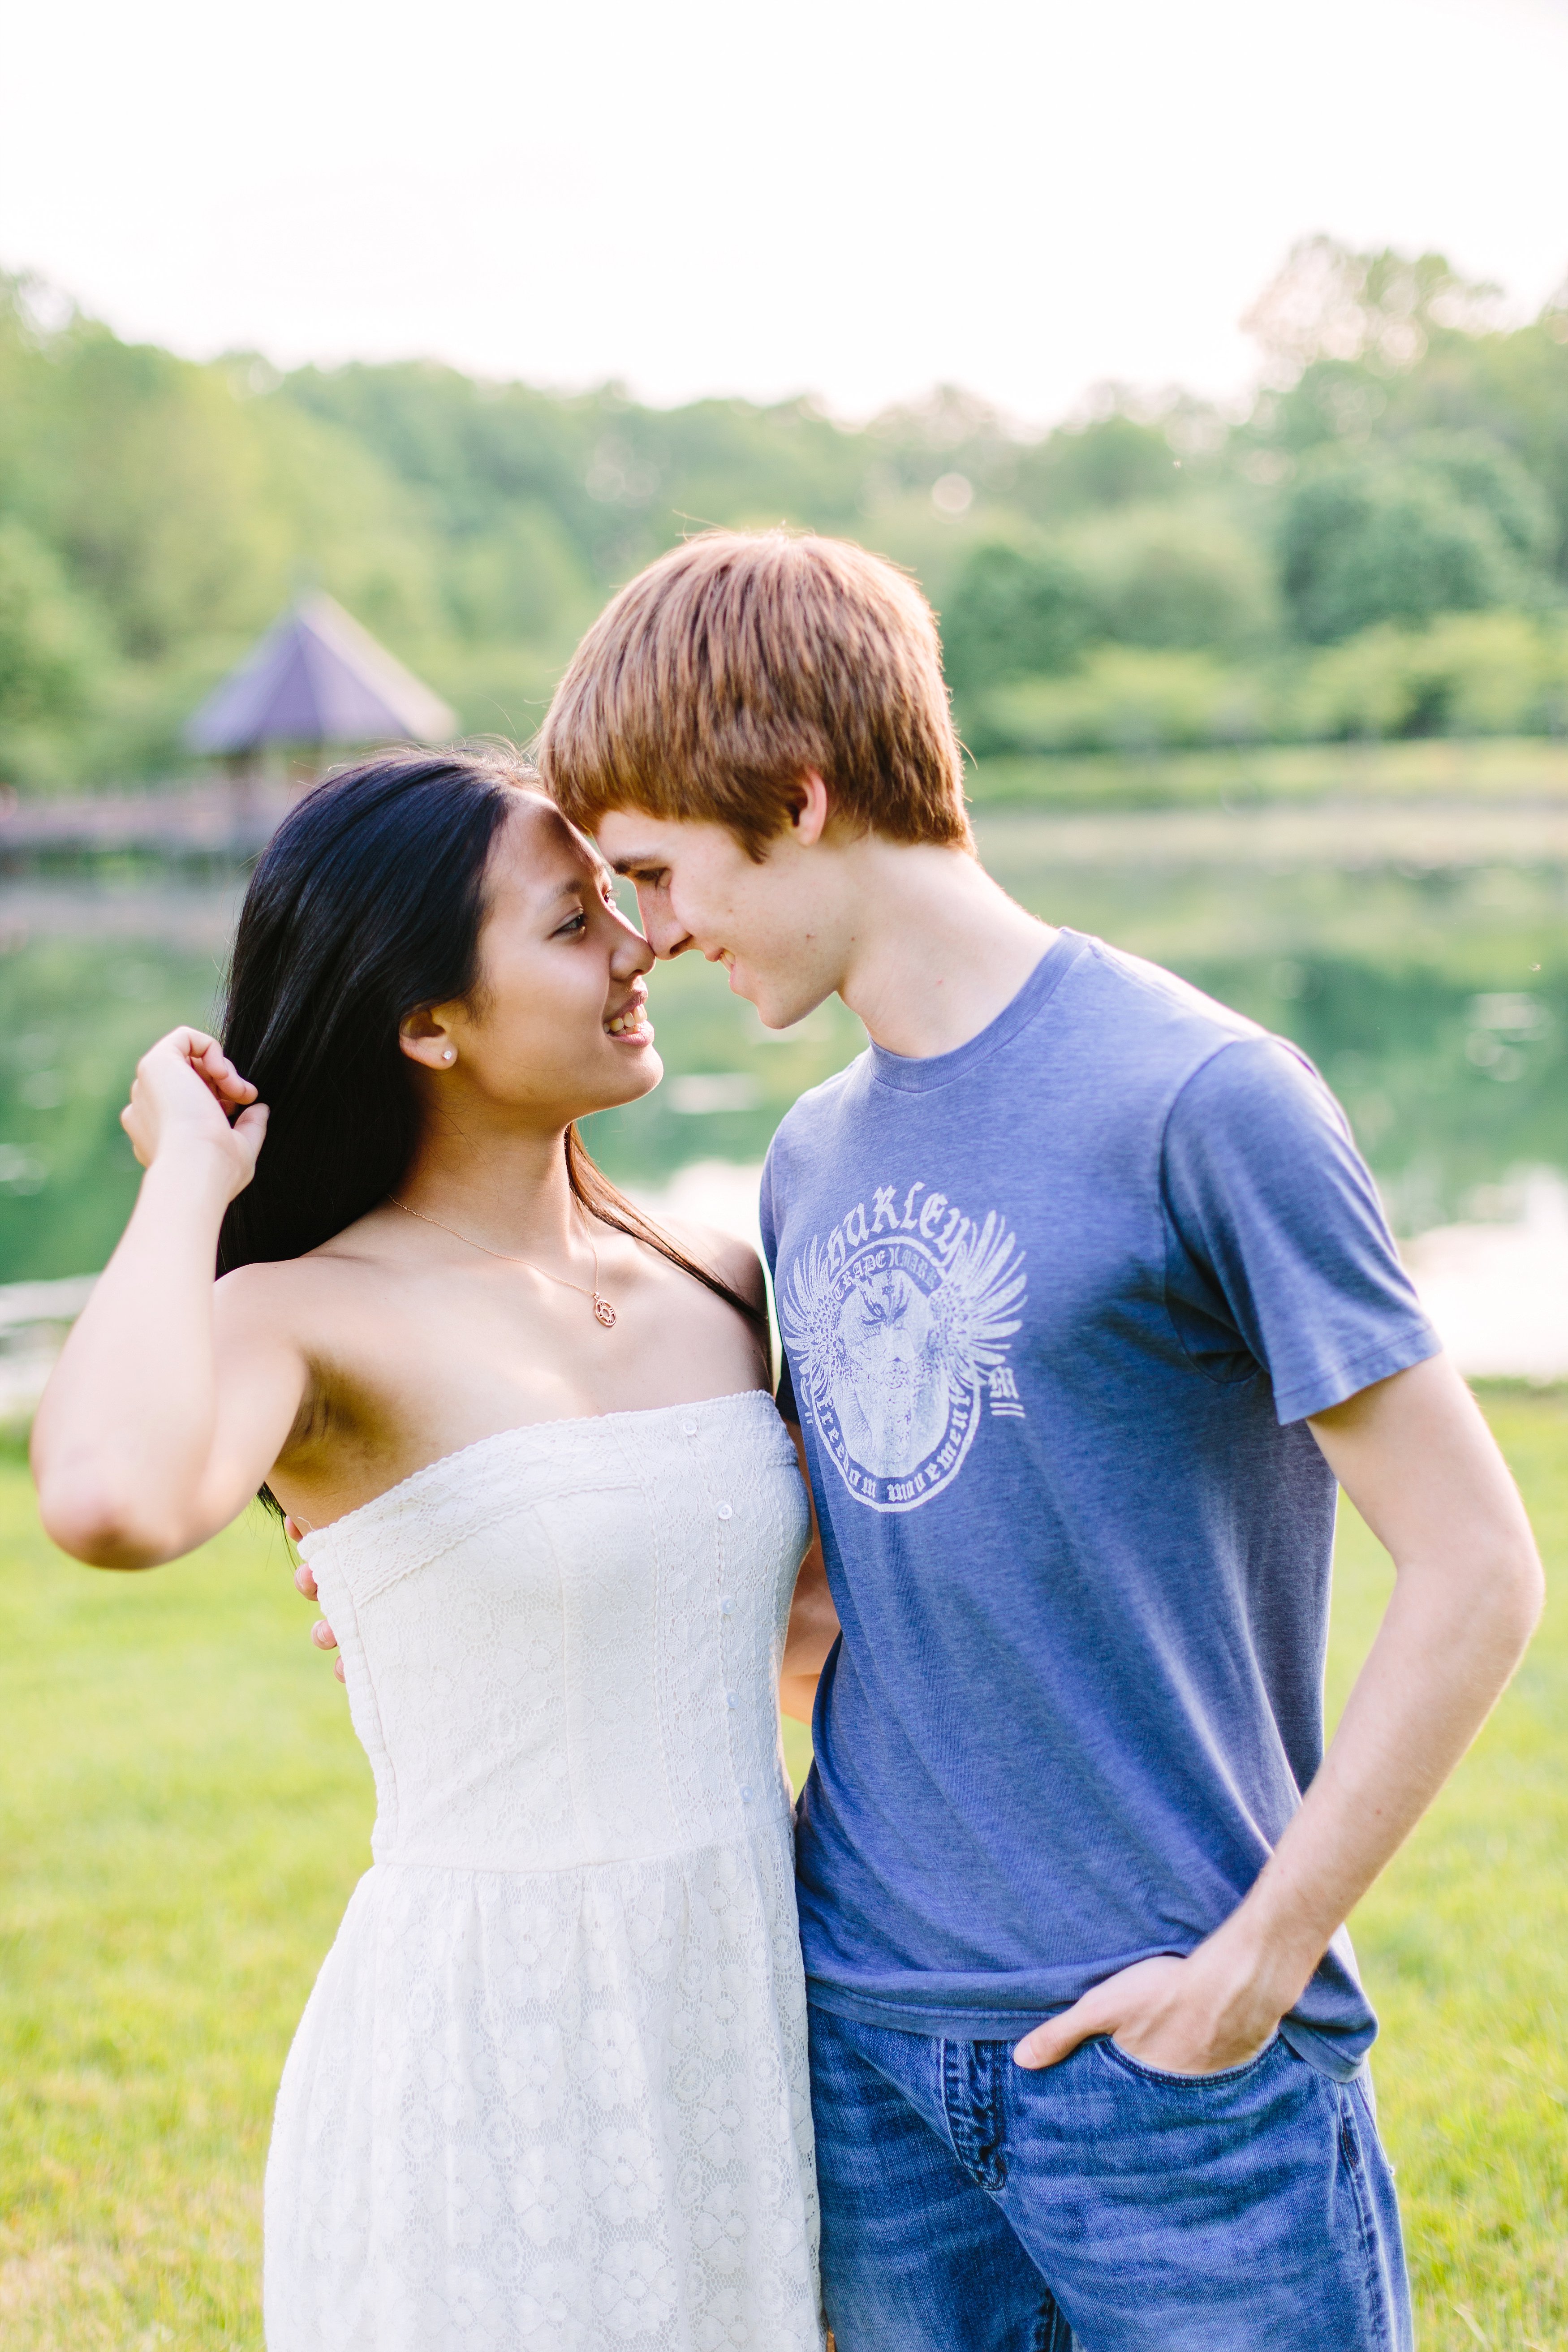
894, 1325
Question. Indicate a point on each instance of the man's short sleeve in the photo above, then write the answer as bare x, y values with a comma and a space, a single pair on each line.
1275, 1230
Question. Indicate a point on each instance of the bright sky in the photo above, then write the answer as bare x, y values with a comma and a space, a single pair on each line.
856, 198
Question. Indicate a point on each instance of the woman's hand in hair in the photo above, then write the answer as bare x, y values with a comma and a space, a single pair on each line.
157, 1424
182, 1098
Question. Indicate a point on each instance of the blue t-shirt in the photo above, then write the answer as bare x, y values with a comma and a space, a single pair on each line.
1054, 1308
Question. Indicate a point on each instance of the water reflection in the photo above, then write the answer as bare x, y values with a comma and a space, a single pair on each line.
1434, 1000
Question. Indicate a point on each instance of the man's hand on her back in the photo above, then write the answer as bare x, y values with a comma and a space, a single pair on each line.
322, 1633
1195, 2016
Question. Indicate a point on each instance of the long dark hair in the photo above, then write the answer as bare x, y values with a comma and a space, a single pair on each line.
366, 906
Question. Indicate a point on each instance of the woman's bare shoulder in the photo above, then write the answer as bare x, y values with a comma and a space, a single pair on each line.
291, 1293
732, 1260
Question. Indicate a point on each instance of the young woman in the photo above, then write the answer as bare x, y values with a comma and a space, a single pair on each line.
550, 2088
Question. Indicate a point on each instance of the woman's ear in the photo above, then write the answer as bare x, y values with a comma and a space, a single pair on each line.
423, 1037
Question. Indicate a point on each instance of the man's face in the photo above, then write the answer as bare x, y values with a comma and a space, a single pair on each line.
771, 925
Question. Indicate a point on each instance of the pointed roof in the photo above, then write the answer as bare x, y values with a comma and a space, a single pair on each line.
318, 678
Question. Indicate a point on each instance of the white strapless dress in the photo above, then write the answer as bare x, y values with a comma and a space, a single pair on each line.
549, 2090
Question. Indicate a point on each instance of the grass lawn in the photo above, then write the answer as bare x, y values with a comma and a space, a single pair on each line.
184, 1812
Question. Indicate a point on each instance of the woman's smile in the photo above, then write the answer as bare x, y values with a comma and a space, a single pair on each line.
629, 1025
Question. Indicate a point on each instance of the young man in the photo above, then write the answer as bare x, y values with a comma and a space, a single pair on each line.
1086, 1301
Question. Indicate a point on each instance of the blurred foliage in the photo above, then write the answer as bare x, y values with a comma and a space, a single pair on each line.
1499, 672
1151, 572
1121, 698
1445, 523
52, 648
1017, 612
1185, 574
1466, 674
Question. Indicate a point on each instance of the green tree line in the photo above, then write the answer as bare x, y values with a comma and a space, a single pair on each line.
1378, 545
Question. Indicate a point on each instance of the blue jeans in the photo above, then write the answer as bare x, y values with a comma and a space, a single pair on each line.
969, 2206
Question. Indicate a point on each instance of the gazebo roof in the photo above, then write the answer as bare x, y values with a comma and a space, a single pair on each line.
318, 678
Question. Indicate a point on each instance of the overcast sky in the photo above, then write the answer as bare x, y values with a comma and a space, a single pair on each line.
851, 197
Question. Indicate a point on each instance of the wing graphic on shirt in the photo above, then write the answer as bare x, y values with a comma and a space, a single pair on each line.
973, 1309
809, 1320
892, 1344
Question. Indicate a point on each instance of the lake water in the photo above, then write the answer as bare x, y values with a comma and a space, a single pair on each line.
1419, 954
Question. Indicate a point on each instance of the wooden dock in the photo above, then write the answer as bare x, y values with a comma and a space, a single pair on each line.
222, 822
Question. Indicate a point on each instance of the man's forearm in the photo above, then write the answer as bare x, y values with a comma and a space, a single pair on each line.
1451, 1638
1416, 1458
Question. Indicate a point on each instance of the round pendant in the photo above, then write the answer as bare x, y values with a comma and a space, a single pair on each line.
603, 1311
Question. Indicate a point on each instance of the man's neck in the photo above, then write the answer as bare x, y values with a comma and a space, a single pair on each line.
938, 948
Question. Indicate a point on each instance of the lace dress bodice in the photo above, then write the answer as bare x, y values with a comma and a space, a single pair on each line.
551, 2088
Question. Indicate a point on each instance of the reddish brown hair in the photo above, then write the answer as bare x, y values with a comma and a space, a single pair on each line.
740, 660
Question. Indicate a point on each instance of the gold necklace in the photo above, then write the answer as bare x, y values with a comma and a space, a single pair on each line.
603, 1311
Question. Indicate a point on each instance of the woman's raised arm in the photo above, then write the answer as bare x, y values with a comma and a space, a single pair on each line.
164, 1414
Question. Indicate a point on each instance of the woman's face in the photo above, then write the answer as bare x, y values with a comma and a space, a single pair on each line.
557, 1026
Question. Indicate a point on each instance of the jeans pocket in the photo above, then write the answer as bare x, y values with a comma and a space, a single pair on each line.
1225, 2078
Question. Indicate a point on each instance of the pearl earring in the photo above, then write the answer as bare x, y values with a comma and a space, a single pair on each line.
448, 1052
